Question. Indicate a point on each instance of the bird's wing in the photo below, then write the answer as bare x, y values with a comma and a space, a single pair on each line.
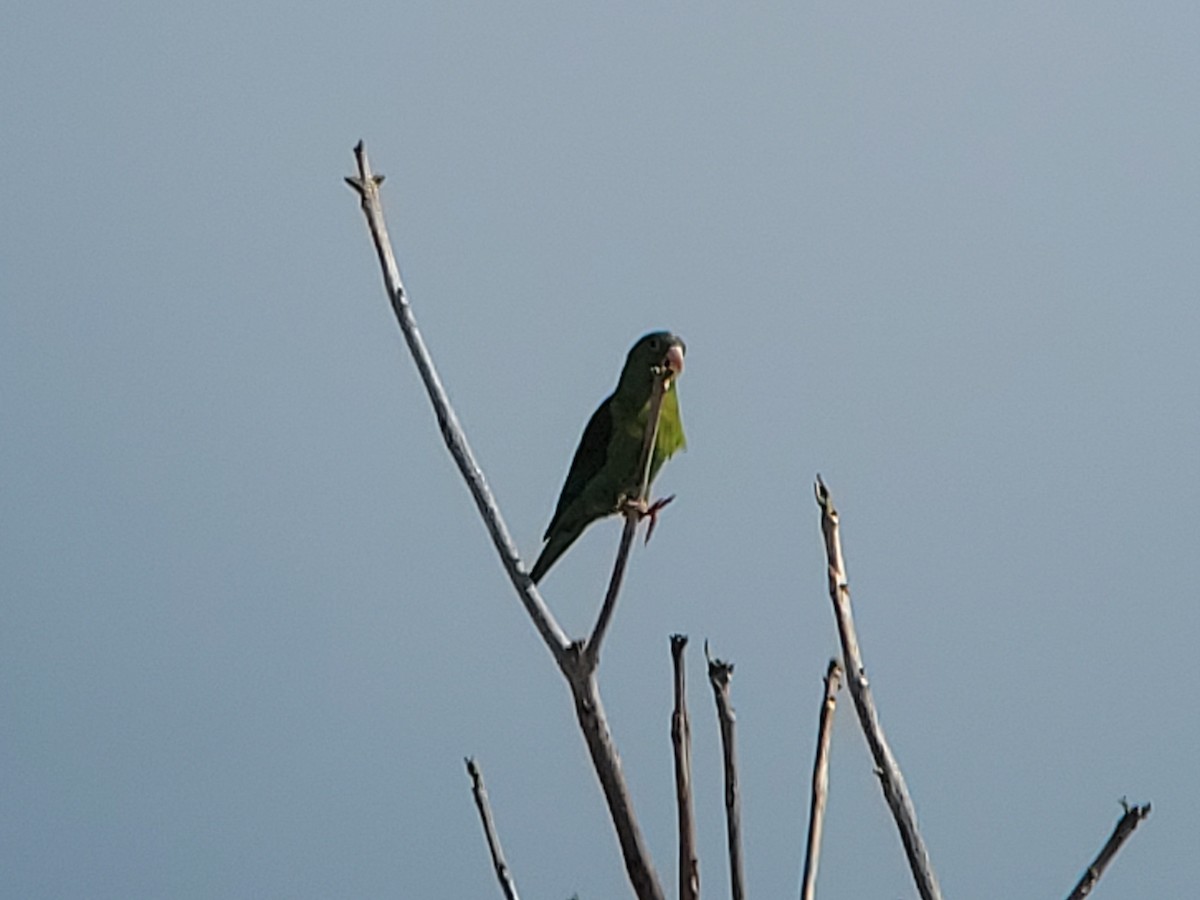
588, 460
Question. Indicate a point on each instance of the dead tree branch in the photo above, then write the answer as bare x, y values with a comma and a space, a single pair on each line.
594, 724
681, 740
1125, 827
891, 780
366, 184
575, 662
820, 781
489, 830
719, 674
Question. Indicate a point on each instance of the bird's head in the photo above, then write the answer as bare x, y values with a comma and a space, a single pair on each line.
650, 356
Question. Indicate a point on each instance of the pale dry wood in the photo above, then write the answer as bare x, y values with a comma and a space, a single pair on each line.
589, 712
719, 675
681, 741
895, 791
479, 790
366, 184
820, 781
576, 664
1125, 827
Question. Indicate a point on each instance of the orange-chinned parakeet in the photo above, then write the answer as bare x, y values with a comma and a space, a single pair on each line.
604, 471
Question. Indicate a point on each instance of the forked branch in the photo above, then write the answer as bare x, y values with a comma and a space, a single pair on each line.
576, 664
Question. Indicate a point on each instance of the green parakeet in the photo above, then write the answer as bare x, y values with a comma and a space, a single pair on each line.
604, 473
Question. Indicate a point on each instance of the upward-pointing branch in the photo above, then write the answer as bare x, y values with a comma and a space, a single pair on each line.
681, 740
573, 664
719, 674
1125, 827
820, 782
479, 790
366, 184
895, 791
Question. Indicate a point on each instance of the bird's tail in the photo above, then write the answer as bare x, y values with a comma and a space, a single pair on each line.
555, 547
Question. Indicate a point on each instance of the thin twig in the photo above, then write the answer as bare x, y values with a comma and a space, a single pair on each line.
1125, 827
632, 518
890, 778
367, 184
681, 740
719, 674
820, 781
489, 830
571, 662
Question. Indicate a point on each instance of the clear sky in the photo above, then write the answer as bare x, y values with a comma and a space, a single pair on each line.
250, 624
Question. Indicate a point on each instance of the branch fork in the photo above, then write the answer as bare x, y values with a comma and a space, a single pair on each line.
577, 661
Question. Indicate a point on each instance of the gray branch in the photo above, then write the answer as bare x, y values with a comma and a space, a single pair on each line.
489, 830
576, 664
719, 674
1125, 827
367, 185
681, 740
594, 724
820, 781
891, 780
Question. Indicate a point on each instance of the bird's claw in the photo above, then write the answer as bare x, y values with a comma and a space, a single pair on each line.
649, 511
653, 512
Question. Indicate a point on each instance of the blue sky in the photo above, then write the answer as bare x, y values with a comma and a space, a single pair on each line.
249, 621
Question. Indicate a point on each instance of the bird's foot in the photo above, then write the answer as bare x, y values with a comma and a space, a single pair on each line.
649, 511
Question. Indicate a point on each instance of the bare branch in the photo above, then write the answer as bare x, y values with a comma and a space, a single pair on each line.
489, 830
632, 517
1125, 827
569, 656
719, 674
367, 185
681, 740
820, 781
891, 780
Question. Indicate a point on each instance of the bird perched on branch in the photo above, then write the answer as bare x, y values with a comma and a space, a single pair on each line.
604, 474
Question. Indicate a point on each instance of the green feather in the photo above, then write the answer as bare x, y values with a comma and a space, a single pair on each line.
603, 473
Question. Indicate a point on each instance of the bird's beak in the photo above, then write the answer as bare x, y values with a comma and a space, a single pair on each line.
674, 361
